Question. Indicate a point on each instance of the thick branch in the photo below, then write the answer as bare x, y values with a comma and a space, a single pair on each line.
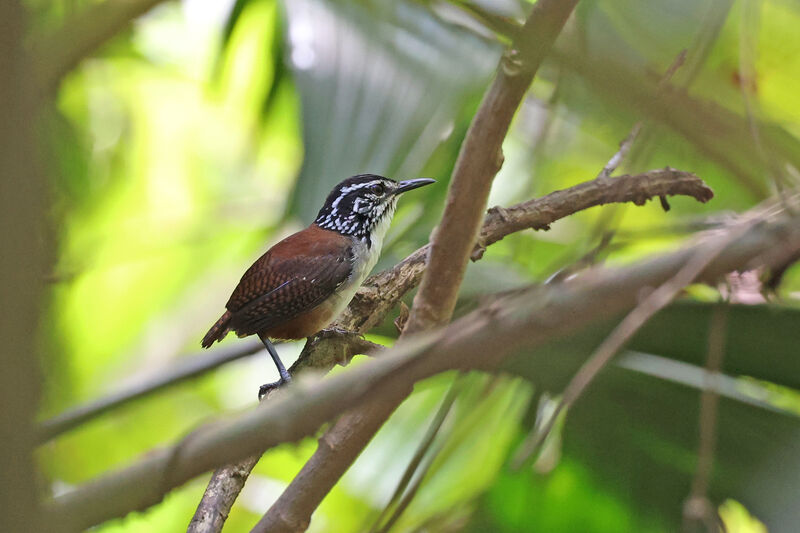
479, 159
61, 50
482, 339
23, 212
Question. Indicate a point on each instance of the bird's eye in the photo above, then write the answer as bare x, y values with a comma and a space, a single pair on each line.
377, 188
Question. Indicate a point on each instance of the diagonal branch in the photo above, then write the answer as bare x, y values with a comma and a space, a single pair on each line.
483, 339
479, 160
402, 493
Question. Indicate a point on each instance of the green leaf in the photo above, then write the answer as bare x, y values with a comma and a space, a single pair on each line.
380, 84
636, 426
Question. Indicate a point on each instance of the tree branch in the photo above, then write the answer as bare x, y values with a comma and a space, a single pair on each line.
60, 50
541, 212
26, 253
188, 367
482, 339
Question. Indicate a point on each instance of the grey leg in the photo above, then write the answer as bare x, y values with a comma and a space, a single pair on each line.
285, 376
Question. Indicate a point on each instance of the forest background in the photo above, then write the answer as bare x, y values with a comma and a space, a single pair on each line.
150, 151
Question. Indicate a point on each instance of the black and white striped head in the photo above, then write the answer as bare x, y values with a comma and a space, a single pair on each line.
363, 205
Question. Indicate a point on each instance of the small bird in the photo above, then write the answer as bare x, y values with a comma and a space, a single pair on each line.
301, 284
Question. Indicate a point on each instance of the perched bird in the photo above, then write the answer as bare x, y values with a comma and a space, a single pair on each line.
301, 284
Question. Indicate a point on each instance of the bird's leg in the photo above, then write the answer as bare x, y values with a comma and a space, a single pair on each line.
285, 377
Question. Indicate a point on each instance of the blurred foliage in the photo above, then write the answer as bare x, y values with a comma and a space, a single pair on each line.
208, 130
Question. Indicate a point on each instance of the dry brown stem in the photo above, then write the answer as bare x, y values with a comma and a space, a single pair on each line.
697, 508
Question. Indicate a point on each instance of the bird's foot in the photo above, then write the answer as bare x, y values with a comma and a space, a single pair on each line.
264, 389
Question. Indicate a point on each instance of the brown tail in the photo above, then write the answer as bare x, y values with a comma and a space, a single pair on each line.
217, 331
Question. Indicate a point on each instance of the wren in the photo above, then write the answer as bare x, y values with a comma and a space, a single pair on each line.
302, 284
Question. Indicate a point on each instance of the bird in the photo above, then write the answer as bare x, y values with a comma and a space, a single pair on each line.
301, 284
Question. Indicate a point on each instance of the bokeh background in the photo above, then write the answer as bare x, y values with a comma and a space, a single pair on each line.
206, 131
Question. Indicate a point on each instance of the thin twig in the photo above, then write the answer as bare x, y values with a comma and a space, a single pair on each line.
626, 329
627, 143
481, 340
411, 492
188, 367
698, 507
636, 131
624, 147
422, 449
751, 18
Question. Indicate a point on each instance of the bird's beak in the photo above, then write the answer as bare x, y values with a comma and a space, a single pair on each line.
407, 185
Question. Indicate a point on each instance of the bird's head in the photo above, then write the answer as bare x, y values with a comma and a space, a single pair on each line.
362, 206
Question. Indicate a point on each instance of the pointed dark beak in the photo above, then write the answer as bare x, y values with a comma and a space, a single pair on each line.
407, 185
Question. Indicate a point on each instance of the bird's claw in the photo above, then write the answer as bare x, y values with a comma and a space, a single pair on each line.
264, 389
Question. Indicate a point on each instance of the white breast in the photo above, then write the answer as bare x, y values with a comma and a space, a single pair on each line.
366, 258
